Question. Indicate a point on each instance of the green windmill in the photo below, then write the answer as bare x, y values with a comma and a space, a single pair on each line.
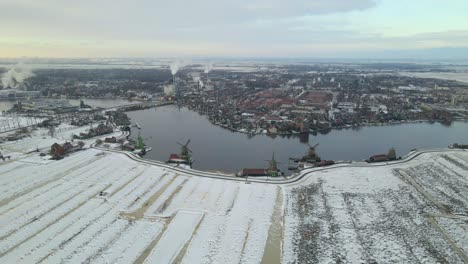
273, 168
140, 144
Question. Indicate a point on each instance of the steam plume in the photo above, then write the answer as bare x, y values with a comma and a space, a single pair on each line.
174, 67
16, 76
208, 67
177, 65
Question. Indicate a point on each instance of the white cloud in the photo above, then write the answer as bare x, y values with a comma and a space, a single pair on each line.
209, 27
125, 16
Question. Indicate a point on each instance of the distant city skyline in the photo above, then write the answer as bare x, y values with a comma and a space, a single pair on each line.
417, 29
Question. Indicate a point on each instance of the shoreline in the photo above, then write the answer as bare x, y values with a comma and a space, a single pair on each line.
298, 135
312, 132
285, 179
280, 180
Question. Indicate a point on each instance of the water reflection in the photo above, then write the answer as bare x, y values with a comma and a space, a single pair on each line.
216, 148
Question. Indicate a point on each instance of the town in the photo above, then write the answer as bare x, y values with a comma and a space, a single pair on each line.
227, 132
71, 157
273, 99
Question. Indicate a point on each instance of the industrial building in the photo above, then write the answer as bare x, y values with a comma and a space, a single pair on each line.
48, 106
14, 94
169, 90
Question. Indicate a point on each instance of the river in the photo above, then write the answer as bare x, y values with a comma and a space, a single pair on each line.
216, 148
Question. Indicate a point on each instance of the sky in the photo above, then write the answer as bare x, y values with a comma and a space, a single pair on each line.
242, 28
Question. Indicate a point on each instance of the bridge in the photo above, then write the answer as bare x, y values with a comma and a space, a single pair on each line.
139, 106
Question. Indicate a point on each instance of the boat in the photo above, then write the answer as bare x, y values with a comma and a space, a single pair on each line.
293, 164
295, 160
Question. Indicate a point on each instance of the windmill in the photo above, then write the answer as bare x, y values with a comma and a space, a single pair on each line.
185, 151
312, 155
273, 167
140, 144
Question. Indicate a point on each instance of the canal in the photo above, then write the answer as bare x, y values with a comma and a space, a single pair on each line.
215, 148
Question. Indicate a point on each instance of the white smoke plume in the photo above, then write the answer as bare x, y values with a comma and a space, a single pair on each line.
16, 76
208, 67
174, 67
177, 65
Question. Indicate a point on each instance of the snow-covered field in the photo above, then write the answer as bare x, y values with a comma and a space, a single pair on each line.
381, 214
455, 76
110, 209
8, 123
42, 140
94, 208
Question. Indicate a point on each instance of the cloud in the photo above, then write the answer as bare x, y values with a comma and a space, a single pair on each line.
182, 28
147, 16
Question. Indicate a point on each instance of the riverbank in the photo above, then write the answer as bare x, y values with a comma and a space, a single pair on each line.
219, 149
314, 131
286, 179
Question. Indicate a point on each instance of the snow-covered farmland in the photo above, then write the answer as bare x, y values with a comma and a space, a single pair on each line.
407, 213
8, 123
41, 139
456, 76
111, 209
92, 207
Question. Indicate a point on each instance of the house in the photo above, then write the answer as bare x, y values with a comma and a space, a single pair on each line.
271, 119
69, 147
253, 172
102, 129
110, 140
57, 151
272, 130
378, 158
128, 146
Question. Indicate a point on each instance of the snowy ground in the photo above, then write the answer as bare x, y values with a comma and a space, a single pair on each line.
8, 123
95, 207
42, 140
382, 214
455, 76
56, 213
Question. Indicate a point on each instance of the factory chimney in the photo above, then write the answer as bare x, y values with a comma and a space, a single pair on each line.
174, 83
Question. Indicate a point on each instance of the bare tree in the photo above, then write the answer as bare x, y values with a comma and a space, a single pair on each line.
51, 131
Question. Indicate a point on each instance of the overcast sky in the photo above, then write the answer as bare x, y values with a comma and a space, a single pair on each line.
237, 28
